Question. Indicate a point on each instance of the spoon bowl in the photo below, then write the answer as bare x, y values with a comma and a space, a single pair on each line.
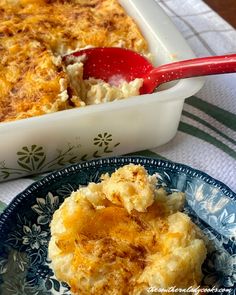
114, 65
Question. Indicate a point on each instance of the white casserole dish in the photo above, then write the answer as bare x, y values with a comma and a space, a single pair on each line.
45, 143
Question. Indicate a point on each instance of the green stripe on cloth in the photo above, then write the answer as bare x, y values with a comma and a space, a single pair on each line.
2, 206
147, 153
194, 131
222, 116
205, 123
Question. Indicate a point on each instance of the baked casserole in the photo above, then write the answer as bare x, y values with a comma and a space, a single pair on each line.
124, 236
34, 35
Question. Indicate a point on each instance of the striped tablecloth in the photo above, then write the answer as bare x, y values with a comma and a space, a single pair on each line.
206, 139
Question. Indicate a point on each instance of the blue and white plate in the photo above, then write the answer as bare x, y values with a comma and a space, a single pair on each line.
24, 225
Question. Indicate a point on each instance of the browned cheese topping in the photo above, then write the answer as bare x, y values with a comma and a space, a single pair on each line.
122, 236
33, 37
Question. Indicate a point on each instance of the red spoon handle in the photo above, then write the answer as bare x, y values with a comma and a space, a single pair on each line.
193, 68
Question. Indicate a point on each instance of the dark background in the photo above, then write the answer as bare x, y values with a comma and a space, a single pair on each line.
225, 8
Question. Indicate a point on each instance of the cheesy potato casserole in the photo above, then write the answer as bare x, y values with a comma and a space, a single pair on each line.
33, 37
123, 235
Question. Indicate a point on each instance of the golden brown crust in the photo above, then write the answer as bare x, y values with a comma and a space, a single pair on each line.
101, 245
33, 32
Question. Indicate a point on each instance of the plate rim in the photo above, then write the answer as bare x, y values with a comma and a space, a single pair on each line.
143, 160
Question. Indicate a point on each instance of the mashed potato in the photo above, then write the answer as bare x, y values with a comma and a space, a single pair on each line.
96, 91
35, 35
122, 236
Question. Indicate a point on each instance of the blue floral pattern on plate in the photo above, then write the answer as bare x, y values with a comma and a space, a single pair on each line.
25, 233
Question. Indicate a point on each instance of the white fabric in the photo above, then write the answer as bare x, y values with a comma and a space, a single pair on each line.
207, 34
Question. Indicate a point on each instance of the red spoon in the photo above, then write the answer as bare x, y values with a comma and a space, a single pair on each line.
113, 65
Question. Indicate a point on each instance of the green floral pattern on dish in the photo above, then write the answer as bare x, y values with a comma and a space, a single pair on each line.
103, 139
32, 159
